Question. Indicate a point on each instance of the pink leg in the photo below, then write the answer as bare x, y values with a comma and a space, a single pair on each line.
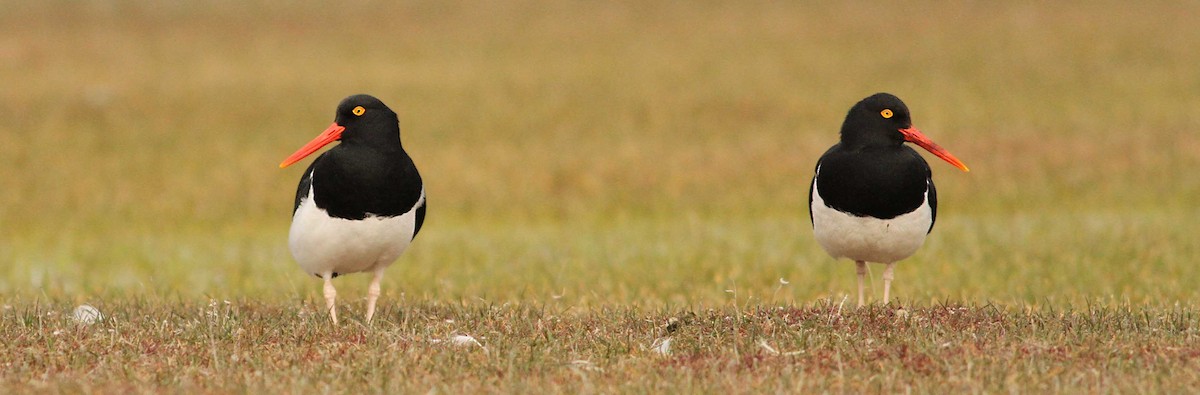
887, 281
330, 295
861, 268
373, 294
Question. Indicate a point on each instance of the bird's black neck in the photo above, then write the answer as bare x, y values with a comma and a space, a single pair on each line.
853, 138
356, 180
386, 140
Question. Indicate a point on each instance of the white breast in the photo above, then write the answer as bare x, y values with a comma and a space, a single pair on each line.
321, 243
869, 239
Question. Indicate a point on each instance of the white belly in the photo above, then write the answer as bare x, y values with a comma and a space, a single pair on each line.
869, 239
321, 243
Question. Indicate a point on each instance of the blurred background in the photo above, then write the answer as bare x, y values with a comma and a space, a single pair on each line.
598, 153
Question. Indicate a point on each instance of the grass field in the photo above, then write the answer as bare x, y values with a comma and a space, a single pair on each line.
594, 170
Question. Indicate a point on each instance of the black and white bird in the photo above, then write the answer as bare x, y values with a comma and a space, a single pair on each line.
361, 203
872, 197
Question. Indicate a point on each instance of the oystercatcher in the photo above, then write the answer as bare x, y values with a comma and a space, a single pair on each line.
872, 197
361, 203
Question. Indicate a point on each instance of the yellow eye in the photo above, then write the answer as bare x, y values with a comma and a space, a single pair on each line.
360, 110
886, 113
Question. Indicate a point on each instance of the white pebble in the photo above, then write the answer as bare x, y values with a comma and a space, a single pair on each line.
662, 346
464, 340
87, 315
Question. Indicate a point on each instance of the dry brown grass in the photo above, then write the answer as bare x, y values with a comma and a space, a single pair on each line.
224, 346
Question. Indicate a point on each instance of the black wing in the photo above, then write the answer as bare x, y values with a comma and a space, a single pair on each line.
810, 192
304, 187
932, 196
420, 217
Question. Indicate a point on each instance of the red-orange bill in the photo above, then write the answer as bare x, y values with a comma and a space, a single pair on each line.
331, 134
912, 135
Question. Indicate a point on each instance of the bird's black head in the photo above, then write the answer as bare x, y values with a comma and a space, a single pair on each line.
361, 120
882, 120
366, 118
876, 121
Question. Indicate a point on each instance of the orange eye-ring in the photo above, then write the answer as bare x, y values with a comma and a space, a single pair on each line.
360, 110
886, 113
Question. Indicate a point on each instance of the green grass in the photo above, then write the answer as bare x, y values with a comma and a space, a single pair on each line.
608, 164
